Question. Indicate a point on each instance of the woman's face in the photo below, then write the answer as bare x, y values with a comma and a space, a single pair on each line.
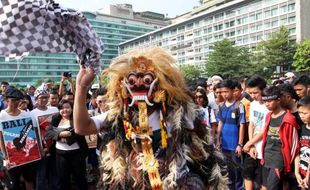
199, 99
66, 110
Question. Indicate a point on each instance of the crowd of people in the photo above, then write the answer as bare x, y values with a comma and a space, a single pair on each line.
62, 162
262, 129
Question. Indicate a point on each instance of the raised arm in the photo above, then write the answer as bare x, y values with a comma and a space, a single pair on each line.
83, 124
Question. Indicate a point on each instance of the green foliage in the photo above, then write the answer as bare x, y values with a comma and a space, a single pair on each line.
278, 50
190, 72
227, 60
302, 57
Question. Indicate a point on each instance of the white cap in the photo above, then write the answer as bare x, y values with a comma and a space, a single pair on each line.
94, 87
216, 77
289, 75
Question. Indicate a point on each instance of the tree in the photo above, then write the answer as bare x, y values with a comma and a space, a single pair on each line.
191, 74
227, 60
302, 57
278, 50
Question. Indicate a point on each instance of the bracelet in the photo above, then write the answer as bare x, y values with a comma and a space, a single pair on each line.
241, 145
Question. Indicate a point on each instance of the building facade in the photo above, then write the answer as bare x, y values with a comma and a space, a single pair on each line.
245, 22
114, 24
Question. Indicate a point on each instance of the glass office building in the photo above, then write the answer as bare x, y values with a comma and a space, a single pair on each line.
245, 22
114, 24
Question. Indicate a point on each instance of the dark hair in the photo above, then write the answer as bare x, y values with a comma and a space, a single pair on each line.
238, 85
256, 81
302, 80
4, 83
54, 92
204, 95
29, 105
68, 93
288, 89
305, 101
62, 102
101, 91
228, 83
217, 86
272, 91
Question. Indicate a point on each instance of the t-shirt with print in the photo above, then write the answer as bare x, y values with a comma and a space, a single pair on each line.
231, 117
304, 150
273, 149
207, 118
258, 113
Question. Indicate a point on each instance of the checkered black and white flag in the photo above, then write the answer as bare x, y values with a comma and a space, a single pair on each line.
40, 26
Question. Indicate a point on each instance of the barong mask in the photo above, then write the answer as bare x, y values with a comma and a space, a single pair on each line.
141, 83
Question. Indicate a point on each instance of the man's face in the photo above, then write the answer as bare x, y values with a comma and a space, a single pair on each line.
237, 93
227, 93
101, 103
4, 87
301, 90
13, 102
272, 104
42, 100
53, 100
304, 113
255, 93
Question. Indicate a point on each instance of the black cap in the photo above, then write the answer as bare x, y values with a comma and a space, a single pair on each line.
12, 92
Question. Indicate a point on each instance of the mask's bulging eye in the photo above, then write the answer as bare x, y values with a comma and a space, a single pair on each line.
132, 79
148, 79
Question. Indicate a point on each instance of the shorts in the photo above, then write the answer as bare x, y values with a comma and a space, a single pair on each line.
252, 169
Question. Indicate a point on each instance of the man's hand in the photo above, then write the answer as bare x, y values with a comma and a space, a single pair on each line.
247, 146
238, 151
299, 180
253, 152
84, 77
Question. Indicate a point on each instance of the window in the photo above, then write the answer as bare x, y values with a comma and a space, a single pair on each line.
291, 7
190, 26
259, 26
219, 16
267, 14
258, 16
291, 19
274, 23
283, 21
252, 18
283, 9
292, 30
274, 12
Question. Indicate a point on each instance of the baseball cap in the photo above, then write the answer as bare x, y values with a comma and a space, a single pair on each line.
93, 88
39, 92
216, 77
12, 92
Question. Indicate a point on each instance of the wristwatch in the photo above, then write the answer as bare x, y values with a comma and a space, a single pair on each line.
241, 145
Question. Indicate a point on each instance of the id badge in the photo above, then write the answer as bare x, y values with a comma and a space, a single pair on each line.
233, 115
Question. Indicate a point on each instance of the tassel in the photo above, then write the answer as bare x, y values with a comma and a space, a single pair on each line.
163, 133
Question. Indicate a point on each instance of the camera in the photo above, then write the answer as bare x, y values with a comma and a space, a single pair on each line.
67, 74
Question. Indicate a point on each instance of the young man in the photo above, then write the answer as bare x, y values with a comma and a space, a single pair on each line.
302, 159
252, 169
53, 99
280, 140
302, 85
47, 163
13, 98
231, 120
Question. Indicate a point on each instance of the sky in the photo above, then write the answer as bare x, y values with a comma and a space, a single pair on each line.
170, 7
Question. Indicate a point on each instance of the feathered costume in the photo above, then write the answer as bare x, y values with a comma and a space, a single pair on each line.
153, 141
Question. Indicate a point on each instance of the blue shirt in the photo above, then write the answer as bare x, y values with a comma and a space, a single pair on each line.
231, 118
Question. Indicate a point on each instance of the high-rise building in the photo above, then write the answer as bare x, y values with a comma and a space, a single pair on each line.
113, 23
245, 22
